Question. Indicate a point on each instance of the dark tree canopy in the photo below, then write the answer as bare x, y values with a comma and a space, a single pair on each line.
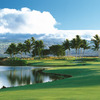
46, 52
21, 48
28, 45
66, 44
96, 41
57, 50
38, 48
12, 49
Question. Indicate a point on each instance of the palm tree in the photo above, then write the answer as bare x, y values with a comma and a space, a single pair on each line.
20, 48
66, 45
32, 42
41, 46
73, 44
28, 45
9, 51
38, 47
84, 45
96, 42
76, 44
12, 50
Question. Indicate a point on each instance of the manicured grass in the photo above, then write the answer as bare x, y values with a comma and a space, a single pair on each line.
52, 62
84, 85
48, 62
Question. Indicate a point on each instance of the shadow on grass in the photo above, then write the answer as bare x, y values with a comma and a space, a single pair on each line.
64, 62
87, 59
80, 77
41, 64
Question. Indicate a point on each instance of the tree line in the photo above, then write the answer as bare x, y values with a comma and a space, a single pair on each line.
36, 47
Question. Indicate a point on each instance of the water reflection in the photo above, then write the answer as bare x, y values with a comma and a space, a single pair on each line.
10, 76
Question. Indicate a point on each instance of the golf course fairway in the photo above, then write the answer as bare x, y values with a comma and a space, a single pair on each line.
83, 85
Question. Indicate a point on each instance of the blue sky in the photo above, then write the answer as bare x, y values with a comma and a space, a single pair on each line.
69, 14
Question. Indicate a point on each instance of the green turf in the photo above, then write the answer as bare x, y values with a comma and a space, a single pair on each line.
84, 85
51, 62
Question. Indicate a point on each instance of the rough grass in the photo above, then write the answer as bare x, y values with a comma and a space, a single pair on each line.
84, 85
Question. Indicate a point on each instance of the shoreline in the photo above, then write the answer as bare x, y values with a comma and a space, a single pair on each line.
59, 77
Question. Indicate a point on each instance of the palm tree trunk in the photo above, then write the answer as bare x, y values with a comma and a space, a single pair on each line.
21, 54
39, 53
76, 53
67, 53
81, 53
10, 55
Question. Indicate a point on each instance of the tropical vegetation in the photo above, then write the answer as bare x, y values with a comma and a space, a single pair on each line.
96, 46
37, 47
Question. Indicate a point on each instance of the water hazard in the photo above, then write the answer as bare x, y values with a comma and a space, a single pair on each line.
19, 76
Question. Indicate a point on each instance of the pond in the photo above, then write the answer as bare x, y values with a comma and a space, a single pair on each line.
19, 76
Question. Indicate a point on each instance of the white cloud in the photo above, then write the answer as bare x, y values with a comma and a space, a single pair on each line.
69, 34
31, 21
26, 21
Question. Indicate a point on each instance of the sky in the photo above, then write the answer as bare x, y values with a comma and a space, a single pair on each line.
61, 18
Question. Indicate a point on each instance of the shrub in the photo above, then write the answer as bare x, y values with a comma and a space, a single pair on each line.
15, 62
